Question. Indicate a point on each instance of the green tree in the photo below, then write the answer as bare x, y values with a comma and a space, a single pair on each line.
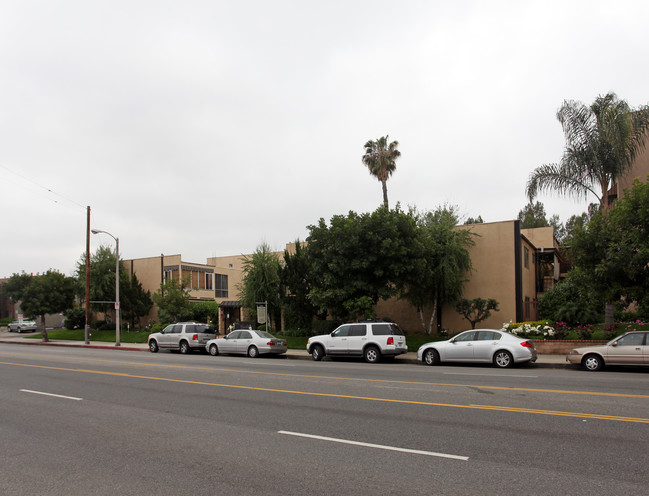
601, 143
102, 279
533, 215
572, 300
613, 250
135, 302
359, 259
441, 270
296, 274
47, 293
205, 311
381, 159
16, 284
476, 310
474, 220
172, 299
261, 281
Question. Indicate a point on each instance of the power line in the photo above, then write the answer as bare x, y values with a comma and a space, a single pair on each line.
49, 190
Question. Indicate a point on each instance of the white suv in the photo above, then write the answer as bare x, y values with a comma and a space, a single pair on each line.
371, 340
183, 336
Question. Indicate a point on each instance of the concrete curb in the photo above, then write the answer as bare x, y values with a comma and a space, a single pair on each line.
543, 361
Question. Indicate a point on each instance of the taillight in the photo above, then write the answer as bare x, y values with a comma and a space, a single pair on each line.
527, 344
270, 343
195, 337
390, 340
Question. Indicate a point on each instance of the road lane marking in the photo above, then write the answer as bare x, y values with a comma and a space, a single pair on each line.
375, 446
349, 379
51, 394
345, 396
501, 376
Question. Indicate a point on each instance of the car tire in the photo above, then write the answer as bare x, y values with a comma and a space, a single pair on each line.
431, 357
214, 350
372, 354
153, 346
184, 347
503, 359
253, 352
317, 353
592, 363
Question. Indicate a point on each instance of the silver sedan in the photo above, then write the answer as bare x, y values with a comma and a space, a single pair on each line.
247, 342
479, 346
22, 326
631, 348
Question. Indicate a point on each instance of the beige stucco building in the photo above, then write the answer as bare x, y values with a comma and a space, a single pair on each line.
510, 264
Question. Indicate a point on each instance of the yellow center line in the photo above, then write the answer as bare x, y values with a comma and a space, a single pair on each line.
345, 396
352, 379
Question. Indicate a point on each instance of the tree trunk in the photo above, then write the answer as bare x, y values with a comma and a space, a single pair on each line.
385, 193
609, 318
421, 317
43, 330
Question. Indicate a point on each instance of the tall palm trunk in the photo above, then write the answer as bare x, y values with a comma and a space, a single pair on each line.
385, 193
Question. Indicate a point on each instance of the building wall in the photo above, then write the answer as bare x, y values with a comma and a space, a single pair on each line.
493, 276
639, 169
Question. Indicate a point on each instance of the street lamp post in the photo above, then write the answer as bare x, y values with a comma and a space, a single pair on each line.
117, 309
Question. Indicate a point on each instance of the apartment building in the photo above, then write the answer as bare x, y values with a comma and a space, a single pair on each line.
512, 265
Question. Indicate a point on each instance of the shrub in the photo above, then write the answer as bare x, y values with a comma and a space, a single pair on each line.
572, 300
537, 329
75, 318
323, 326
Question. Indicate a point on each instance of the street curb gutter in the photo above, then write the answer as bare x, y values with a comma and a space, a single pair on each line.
291, 355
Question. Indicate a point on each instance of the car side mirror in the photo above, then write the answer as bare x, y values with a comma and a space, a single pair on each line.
614, 344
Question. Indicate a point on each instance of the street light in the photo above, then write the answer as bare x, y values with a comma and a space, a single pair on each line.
96, 231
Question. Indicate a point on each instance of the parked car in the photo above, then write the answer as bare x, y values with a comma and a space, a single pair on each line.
371, 340
479, 346
247, 342
183, 336
22, 326
631, 348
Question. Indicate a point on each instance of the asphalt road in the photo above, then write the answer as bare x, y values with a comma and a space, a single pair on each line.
138, 423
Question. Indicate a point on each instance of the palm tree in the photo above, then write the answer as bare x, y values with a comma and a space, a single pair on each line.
601, 143
380, 158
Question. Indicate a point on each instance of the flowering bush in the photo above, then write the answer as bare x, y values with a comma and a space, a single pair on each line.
541, 329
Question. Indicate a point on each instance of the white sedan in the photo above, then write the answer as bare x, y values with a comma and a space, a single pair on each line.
22, 326
479, 346
247, 342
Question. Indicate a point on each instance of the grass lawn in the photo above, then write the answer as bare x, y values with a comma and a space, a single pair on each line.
102, 336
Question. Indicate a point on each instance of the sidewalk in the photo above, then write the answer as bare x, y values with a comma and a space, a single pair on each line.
545, 360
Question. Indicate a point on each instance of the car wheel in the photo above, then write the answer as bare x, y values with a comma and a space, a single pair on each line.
214, 350
372, 354
317, 353
431, 357
253, 352
592, 363
184, 347
153, 346
503, 359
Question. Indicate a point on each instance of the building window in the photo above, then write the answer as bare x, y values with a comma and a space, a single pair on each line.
221, 285
168, 275
208, 280
526, 257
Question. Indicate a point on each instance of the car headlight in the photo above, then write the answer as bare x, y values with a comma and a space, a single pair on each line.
308, 341
574, 352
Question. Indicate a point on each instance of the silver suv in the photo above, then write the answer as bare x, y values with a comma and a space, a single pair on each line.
371, 340
183, 336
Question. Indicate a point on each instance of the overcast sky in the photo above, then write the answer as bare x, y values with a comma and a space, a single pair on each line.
208, 127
